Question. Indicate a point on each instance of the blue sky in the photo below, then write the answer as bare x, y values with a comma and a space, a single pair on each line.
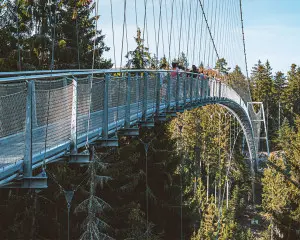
272, 31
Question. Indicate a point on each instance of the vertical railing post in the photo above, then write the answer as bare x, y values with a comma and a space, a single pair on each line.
169, 93
145, 97
177, 91
137, 95
34, 116
208, 88
197, 88
128, 101
27, 168
158, 90
202, 92
184, 88
191, 88
105, 107
73, 146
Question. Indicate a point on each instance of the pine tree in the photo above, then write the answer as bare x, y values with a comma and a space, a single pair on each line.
140, 57
221, 66
291, 98
263, 91
163, 64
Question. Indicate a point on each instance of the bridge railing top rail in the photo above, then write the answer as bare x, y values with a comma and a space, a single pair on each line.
45, 74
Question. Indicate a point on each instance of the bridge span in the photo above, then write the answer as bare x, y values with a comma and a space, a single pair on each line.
46, 116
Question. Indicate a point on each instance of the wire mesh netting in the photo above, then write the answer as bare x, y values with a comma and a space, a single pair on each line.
116, 99
163, 87
141, 96
52, 84
7, 89
84, 87
12, 126
151, 91
97, 104
53, 118
53, 99
134, 94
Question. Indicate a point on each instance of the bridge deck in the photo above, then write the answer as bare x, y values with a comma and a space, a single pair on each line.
53, 115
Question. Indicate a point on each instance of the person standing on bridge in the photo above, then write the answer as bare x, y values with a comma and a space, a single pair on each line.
194, 71
175, 69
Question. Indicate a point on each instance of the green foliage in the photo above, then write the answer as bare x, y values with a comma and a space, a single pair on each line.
164, 64
30, 25
221, 65
291, 93
140, 57
281, 185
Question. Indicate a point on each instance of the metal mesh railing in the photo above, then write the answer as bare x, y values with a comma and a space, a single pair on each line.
12, 127
53, 101
84, 87
53, 118
7, 89
97, 104
116, 99
151, 93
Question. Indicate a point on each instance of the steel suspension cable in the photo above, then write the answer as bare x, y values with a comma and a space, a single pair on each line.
167, 24
180, 31
123, 33
206, 33
189, 27
119, 81
136, 16
113, 32
217, 12
233, 42
221, 32
155, 33
211, 27
145, 22
201, 43
176, 33
50, 85
195, 32
77, 40
244, 46
227, 51
162, 33
208, 28
91, 82
159, 30
170, 37
18, 36
184, 29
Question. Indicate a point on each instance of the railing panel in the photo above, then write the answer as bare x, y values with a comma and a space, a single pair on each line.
53, 100
151, 93
53, 114
84, 87
97, 104
116, 99
12, 127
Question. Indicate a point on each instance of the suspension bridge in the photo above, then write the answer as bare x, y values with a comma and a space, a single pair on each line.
47, 116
